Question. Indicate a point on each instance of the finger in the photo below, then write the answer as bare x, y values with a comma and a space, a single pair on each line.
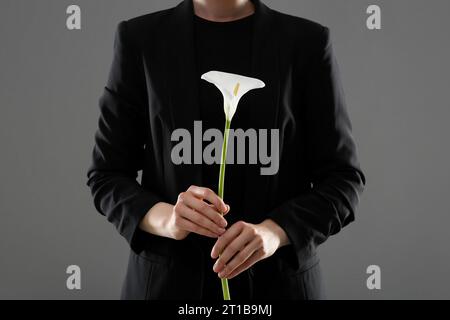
240, 258
223, 213
254, 258
200, 220
211, 196
206, 209
191, 227
232, 249
226, 238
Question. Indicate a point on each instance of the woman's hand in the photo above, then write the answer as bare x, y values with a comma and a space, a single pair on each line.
191, 213
244, 244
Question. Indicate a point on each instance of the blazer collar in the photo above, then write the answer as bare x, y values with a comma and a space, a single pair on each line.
182, 82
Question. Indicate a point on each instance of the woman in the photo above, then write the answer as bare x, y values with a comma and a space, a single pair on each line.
173, 220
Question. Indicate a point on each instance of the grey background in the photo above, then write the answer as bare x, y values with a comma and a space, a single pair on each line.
396, 83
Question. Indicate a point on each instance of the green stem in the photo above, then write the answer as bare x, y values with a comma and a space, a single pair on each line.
225, 289
223, 163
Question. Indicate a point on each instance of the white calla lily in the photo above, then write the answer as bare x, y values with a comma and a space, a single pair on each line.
233, 87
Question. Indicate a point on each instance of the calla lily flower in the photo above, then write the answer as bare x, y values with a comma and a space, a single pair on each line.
233, 88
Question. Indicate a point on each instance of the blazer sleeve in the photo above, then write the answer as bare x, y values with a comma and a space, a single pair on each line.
335, 175
118, 153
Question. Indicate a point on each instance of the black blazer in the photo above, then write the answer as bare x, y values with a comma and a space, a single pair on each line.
153, 89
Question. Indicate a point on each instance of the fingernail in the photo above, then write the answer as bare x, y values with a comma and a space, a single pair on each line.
223, 223
227, 208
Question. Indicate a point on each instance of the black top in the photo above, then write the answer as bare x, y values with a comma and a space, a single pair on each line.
222, 46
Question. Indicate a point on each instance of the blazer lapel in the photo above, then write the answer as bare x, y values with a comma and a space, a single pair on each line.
265, 66
182, 84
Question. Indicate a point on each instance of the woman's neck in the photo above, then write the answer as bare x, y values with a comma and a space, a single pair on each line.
223, 10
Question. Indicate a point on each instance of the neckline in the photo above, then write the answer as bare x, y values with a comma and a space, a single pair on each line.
224, 23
